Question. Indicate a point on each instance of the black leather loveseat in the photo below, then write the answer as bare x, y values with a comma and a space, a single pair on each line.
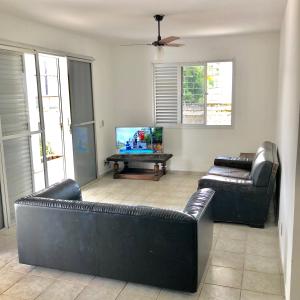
141, 244
244, 187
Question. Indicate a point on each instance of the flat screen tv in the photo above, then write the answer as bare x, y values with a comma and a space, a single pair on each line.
139, 140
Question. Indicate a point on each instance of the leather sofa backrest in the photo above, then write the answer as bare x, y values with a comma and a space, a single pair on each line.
105, 208
263, 164
67, 189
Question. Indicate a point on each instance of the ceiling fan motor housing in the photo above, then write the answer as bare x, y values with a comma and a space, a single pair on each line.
158, 18
157, 44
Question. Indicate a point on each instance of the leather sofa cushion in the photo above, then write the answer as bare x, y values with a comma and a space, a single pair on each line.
229, 172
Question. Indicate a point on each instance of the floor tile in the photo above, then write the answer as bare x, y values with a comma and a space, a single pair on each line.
60, 290
176, 295
29, 287
138, 291
262, 249
235, 246
262, 282
267, 235
227, 259
102, 289
7, 255
8, 231
262, 264
224, 277
95, 294
261, 236
247, 295
2, 263
215, 292
217, 228
46, 272
6, 297
8, 278
76, 277
108, 284
15, 266
234, 232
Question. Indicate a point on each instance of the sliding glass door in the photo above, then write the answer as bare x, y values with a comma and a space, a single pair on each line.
49, 108
83, 123
15, 147
46, 125
53, 117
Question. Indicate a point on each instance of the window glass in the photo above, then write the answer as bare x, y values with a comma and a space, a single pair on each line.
219, 93
193, 94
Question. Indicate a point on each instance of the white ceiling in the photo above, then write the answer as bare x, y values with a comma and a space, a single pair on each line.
132, 19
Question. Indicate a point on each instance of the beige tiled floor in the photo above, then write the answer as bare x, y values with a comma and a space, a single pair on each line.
244, 263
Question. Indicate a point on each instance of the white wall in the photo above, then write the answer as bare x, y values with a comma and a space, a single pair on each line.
21, 31
255, 95
288, 143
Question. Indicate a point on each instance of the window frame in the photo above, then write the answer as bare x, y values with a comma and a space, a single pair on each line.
179, 123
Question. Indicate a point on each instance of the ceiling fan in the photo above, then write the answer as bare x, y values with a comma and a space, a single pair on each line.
160, 42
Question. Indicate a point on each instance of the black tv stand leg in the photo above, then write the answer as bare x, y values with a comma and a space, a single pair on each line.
156, 172
116, 170
164, 169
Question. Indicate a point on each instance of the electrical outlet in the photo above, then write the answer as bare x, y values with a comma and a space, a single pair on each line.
106, 163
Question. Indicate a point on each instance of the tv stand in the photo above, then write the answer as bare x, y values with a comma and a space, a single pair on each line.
137, 173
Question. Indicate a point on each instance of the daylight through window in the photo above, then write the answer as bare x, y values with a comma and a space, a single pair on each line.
194, 94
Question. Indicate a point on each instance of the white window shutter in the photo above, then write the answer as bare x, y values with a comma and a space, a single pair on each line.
165, 79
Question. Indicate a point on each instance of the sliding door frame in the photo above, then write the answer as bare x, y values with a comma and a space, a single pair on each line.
61, 116
41, 115
95, 121
3, 183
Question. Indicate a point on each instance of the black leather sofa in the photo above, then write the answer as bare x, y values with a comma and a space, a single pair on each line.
244, 187
141, 244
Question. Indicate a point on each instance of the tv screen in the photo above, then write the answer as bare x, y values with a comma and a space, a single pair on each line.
139, 140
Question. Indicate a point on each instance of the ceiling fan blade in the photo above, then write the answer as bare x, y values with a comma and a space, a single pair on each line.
169, 39
128, 45
174, 45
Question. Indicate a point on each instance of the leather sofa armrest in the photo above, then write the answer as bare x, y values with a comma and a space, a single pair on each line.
66, 189
234, 162
199, 202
